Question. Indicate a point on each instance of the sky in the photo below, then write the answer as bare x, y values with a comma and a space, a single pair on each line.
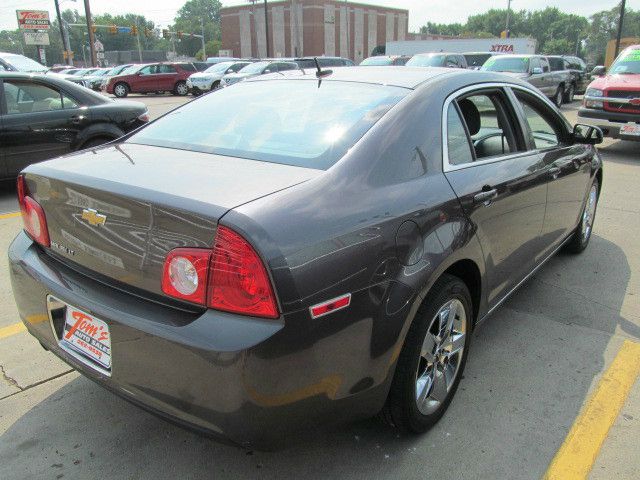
420, 11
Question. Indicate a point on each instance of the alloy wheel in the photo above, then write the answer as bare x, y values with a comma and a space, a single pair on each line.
182, 89
120, 90
441, 356
589, 213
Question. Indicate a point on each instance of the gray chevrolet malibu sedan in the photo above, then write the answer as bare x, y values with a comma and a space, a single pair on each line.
320, 252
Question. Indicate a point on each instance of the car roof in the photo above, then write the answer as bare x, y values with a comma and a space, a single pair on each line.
399, 76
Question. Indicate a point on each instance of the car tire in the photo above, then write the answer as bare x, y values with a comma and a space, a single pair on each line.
95, 142
181, 89
121, 90
215, 85
580, 238
432, 358
570, 94
558, 97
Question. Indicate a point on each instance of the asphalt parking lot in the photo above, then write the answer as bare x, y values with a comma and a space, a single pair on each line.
552, 360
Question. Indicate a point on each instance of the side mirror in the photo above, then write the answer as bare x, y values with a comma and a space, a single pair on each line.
599, 71
587, 134
536, 71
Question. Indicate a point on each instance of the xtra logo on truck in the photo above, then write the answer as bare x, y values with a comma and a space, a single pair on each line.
502, 48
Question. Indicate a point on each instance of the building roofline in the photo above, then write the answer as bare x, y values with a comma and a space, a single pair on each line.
301, 2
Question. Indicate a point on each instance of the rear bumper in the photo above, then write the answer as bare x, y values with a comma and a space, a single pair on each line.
609, 122
250, 381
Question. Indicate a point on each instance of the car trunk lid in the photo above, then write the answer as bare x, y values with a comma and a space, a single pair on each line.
117, 211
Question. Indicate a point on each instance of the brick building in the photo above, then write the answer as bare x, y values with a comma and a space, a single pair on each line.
316, 27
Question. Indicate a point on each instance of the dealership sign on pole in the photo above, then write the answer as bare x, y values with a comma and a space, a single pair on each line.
36, 38
33, 19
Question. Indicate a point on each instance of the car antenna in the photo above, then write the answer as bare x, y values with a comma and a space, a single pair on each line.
321, 73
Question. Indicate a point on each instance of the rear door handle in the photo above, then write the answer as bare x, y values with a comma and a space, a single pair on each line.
485, 196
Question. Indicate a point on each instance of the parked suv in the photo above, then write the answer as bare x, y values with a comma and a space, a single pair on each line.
201, 82
612, 101
441, 59
534, 69
258, 68
154, 77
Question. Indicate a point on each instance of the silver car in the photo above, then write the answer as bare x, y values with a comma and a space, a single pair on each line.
209, 79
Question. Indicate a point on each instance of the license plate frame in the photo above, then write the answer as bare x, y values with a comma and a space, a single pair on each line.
630, 130
87, 338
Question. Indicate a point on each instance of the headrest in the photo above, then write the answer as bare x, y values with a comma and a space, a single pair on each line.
471, 115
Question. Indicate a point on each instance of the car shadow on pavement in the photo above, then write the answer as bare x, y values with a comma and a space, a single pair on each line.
530, 367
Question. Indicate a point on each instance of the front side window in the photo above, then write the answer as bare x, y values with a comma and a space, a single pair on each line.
543, 132
545, 64
557, 64
188, 67
149, 70
26, 97
293, 122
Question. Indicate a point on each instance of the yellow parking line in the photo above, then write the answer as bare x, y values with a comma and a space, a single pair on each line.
9, 215
12, 330
580, 449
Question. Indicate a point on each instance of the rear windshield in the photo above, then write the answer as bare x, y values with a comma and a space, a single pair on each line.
476, 59
294, 122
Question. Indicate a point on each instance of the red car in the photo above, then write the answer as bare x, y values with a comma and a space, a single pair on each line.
154, 77
612, 101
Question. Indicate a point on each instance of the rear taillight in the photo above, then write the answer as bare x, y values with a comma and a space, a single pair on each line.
185, 274
144, 117
231, 277
238, 280
33, 217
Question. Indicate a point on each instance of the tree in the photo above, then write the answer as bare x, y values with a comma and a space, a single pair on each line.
193, 15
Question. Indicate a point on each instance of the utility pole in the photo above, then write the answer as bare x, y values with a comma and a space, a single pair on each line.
266, 27
63, 34
92, 47
138, 40
506, 28
346, 7
204, 48
620, 22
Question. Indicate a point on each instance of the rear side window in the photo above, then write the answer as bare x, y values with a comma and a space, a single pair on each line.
557, 64
457, 140
166, 69
294, 122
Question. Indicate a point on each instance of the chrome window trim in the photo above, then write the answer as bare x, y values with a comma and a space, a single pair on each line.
446, 165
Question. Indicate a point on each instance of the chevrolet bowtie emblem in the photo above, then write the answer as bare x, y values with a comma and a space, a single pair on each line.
93, 217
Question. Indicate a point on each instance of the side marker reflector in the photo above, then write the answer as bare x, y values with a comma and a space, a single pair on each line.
330, 306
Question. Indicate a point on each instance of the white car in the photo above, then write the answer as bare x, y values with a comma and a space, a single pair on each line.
201, 82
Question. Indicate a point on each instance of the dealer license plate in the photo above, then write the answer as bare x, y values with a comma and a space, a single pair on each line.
88, 336
630, 129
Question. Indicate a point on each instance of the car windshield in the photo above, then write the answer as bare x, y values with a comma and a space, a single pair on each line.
627, 63
219, 67
510, 64
23, 64
476, 59
254, 67
294, 122
375, 61
426, 61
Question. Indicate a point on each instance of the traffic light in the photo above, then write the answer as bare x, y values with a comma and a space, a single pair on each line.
165, 33
180, 35
113, 29
94, 29
147, 32
134, 30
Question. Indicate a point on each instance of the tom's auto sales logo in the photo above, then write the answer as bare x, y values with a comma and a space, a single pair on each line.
502, 48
